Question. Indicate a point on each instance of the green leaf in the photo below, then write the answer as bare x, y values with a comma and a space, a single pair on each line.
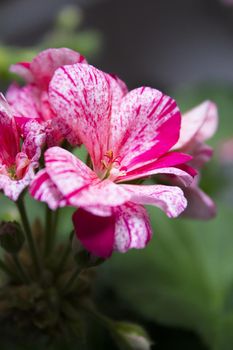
183, 278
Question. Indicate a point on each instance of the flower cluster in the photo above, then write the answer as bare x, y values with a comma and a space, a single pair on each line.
130, 136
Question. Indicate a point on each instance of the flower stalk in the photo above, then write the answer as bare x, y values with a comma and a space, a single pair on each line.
21, 272
29, 236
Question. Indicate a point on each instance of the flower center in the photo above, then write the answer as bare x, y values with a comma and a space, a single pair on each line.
12, 172
110, 166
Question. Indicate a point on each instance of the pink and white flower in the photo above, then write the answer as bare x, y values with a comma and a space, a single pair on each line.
128, 137
197, 126
17, 162
31, 102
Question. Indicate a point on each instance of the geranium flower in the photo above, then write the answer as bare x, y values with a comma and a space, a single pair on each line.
197, 126
17, 162
128, 136
31, 103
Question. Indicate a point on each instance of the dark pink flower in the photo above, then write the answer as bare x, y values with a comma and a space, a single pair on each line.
128, 136
197, 126
31, 101
17, 162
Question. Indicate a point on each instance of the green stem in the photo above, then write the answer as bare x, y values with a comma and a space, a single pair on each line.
71, 280
20, 269
63, 259
29, 236
48, 231
109, 324
55, 222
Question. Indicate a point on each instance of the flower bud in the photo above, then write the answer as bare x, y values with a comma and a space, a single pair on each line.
133, 335
11, 236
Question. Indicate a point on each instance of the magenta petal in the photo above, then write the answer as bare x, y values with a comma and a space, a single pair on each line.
9, 138
148, 125
96, 233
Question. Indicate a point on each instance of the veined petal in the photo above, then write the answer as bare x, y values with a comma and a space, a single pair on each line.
69, 174
44, 190
9, 138
198, 125
147, 126
96, 233
171, 163
168, 198
183, 175
46, 62
81, 96
132, 227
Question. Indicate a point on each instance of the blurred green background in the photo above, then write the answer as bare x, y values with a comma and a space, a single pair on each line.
181, 286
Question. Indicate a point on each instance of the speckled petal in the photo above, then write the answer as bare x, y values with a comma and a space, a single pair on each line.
168, 198
81, 96
100, 196
147, 126
132, 227
25, 101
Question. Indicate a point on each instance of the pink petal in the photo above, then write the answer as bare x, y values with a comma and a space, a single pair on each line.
9, 138
79, 184
168, 198
23, 70
147, 127
201, 154
200, 206
96, 233
44, 190
81, 96
199, 124
46, 62
132, 227
69, 174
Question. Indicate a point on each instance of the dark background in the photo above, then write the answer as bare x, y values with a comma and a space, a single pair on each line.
165, 43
